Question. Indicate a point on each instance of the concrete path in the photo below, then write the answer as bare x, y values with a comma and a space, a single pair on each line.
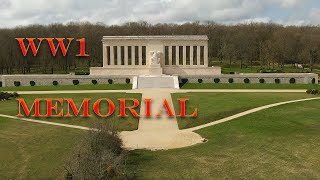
158, 132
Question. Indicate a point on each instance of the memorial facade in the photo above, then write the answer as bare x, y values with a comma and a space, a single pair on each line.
155, 55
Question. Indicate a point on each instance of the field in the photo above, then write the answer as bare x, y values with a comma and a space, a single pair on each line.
281, 142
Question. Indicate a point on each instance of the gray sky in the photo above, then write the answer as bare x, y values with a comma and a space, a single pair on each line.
287, 12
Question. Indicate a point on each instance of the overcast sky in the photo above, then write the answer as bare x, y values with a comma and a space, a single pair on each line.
287, 12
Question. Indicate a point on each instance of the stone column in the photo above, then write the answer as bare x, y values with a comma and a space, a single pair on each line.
177, 55
198, 55
170, 55
111, 55
140, 55
105, 55
191, 55
205, 55
184, 55
125, 55
133, 55
118, 55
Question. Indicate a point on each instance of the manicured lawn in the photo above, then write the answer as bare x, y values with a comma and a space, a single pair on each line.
34, 151
129, 123
69, 87
278, 143
215, 106
248, 86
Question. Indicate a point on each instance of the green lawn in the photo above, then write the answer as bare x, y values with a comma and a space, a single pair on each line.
278, 143
248, 86
129, 123
34, 151
69, 87
214, 106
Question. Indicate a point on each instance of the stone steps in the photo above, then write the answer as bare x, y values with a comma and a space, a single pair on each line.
155, 81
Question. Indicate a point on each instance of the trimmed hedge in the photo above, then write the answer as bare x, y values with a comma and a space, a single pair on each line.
262, 81
16, 83
200, 80
75, 82
184, 81
55, 83
0, 83
32, 83
313, 91
246, 80
277, 81
128, 80
216, 80
292, 81
230, 80
94, 81
313, 81
7, 96
110, 81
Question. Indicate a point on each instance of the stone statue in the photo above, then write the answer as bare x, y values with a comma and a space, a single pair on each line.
155, 57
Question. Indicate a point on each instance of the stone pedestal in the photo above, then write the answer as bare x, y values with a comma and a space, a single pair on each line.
155, 81
155, 69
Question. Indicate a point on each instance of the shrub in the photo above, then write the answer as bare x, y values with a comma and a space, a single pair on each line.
128, 80
32, 83
184, 81
262, 81
17, 83
110, 81
94, 81
7, 96
277, 81
55, 83
0, 83
292, 81
216, 80
246, 80
313, 81
230, 80
200, 80
75, 82
313, 91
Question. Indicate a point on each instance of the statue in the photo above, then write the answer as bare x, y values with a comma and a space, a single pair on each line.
155, 57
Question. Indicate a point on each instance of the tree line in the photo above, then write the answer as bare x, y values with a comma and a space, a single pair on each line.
267, 45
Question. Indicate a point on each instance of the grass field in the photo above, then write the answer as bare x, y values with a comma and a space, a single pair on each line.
131, 123
69, 87
34, 151
214, 106
278, 143
248, 86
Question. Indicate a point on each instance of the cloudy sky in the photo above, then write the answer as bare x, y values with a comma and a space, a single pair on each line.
288, 12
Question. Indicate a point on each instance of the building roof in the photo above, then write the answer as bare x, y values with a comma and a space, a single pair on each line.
178, 37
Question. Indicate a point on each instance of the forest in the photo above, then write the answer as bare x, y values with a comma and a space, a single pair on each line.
266, 45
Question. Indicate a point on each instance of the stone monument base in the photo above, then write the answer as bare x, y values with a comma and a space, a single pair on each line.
155, 81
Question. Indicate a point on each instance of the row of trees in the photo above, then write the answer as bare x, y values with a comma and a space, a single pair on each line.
267, 45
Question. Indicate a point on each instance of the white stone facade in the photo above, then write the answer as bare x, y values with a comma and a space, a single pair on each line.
175, 55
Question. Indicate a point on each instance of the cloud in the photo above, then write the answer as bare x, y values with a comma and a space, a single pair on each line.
21, 12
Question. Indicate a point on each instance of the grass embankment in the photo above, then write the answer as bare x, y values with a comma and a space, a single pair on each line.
10, 107
215, 106
69, 87
248, 86
281, 142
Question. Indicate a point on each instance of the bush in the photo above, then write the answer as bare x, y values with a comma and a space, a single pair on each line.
246, 80
32, 83
262, 81
55, 83
17, 83
313, 91
313, 81
0, 83
200, 80
292, 81
184, 81
82, 71
75, 82
110, 81
7, 96
94, 81
230, 80
277, 81
128, 80
216, 80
